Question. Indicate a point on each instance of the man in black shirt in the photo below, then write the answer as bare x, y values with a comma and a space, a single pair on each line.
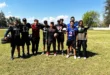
15, 38
60, 39
51, 37
25, 35
45, 29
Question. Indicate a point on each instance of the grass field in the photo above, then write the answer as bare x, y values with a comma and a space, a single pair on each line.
98, 62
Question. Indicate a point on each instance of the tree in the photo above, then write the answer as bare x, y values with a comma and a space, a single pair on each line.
2, 20
10, 20
91, 18
107, 13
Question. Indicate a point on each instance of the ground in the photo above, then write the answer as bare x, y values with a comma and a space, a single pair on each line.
98, 62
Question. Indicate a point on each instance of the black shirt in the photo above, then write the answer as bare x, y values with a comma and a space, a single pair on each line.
25, 30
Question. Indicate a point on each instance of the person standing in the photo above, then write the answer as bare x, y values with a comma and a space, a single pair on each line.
15, 38
36, 26
71, 39
82, 39
51, 38
25, 36
45, 29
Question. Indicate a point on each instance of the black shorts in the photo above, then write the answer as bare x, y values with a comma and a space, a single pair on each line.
60, 38
25, 41
16, 42
71, 43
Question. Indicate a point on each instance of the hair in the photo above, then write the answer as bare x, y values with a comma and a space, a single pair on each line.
35, 20
71, 21
52, 23
72, 17
45, 22
58, 21
61, 19
82, 23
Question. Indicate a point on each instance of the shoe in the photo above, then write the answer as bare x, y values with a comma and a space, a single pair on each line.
19, 56
85, 57
55, 54
12, 58
67, 56
23, 55
42, 53
74, 57
47, 54
62, 52
79, 57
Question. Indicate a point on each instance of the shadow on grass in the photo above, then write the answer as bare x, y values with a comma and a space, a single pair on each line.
89, 54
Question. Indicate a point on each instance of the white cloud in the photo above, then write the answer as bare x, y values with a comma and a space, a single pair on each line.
30, 19
3, 4
54, 19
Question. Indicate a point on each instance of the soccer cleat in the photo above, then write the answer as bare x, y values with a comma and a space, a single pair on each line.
85, 58
79, 57
67, 56
74, 57
55, 54
42, 53
47, 54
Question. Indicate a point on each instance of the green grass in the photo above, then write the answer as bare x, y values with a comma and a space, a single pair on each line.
97, 64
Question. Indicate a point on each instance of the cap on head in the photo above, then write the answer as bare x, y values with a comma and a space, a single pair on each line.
24, 20
45, 22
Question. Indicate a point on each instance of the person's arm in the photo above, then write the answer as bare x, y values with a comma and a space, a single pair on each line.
9, 29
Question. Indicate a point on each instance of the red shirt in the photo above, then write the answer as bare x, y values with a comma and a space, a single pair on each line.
35, 30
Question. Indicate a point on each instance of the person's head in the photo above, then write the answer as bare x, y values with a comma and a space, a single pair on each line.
58, 21
24, 20
36, 21
71, 23
51, 24
61, 21
72, 18
15, 22
45, 22
81, 23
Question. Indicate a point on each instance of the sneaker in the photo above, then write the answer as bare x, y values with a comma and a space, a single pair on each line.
67, 56
62, 52
79, 57
85, 58
42, 53
12, 58
47, 54
74, 57
55, 54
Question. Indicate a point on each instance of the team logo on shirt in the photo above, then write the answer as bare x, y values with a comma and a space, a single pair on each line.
25, 29
59, 28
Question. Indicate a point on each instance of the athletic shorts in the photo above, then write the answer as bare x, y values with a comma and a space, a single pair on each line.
16, 42
71, 43
25, 41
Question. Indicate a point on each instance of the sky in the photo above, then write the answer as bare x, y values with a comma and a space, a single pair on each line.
50, 10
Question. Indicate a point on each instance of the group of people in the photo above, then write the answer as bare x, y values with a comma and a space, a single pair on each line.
76, 37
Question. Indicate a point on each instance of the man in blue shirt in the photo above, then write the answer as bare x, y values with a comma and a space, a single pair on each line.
71, 39
75, 23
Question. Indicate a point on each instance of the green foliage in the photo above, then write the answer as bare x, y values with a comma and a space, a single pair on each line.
107, 13
2, 20
91, 18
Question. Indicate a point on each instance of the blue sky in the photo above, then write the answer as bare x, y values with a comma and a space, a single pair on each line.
50, 9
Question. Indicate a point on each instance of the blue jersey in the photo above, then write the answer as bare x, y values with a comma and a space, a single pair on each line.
76, 24
71, 33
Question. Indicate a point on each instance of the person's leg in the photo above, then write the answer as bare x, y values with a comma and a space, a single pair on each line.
12, 52
28, 44
48, 48
18, 49
79, 48
84, 48
62, 45
33, 47
54, 47
44, 43
23, 53
37, 45
68, 52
